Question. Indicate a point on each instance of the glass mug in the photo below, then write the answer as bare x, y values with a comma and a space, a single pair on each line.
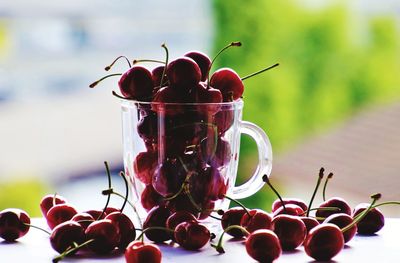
185, 155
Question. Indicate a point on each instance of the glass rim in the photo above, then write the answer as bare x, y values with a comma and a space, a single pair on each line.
126, 102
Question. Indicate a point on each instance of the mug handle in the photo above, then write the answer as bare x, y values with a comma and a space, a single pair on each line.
264, 161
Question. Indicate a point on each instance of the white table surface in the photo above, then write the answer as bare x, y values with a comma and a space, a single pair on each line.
383, 247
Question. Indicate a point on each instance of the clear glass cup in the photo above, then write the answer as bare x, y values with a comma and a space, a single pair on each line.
185, 155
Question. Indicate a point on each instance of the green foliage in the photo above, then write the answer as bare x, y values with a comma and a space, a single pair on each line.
24, 193
332, 65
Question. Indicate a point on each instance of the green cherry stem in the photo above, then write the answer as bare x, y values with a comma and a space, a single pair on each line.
260, 71
71, 250
330, 175
122, 174
238, 203
320, 176
327, 208
94, 84
164, 46
141, 236
107, 68
267, 181
387, 203
36, 227
109, 187
219, 246
135, 61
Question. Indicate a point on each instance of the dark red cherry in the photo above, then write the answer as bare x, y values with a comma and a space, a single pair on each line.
202, 60
228, 82
342, 220
156, 73
256, 219
148, 127
296, 201
110, 209
137, 83
157, 217
125, 227
169, 177
191, 235
48, 201
200, 93
150, 198
215, 151
291, 209
323, 242
233, 216
333, 202
144, 166
179, 217
82, 218
65, 235
372, 222
105, 236
96, 214
263, 245
14, 223
59, 214
139, 252
207, 208
208, 183
309, 222
166, 101
183, 73
290, 230
223, 120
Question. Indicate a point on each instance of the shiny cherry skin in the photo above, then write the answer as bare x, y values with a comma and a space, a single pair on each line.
372, 222
342, 220
65, 235
217, 152
139, 252
290, 230
59, 214
96, 214
168, 177
14, 223
263, 245
203, 94
105, 236
256, 219
296, 201
144, 166
333, 202
291, 209
137, 84
202, 60
170, 95
228, 82
309, 222
125, 227
150, 198
180, 217
156, 74
84, 219
223, 120
191, 235
323, 242
48, 201
233, 216
183, 73
157, 217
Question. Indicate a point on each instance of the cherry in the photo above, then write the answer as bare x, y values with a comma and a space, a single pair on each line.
290, 230
147, 127
96, 214
83, 218
125, 227
289, 209
223, 120
169, 95
168, 177
105, 236
136, 83
65, 235
59, 214
256, 219
228, 82
144, 165
179, 217
48, 201
333, 202
263, 245
157, 74
208, 183
202, 60
110, 209
157, 218
150, 198
216, 152
203, 94
206, 209
231, 217
372, 222
183, 73
342, 220
14, 223
191, 235
138, 252
309, 222
296, 201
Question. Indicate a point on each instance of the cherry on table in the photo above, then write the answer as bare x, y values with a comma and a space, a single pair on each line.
14, 223
105, 236
290, 230
309, 222
157, 217
179, 217
48, 201
83, 218
65, 235
125, 227
139, 252
256, 219
342, 220
59, 214
289, 209
337, 202
296, 201
372, 222
263, 245
191, 235
233, 216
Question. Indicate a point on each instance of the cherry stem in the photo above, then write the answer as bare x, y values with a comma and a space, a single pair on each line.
387, 203
260, 71
107, 68
238, 203
330, 175
153, 228
54, 199
320, 176
115, 94
37, 227
219, 246
71, 250
267, 181
232, 44
357, 219
109, 187
135, 61
217, 218
103, 78
327, 208
164, 46
122, 174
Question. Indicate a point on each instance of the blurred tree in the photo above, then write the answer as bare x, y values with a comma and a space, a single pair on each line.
332, 65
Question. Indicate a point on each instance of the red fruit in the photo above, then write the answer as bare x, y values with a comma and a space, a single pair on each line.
179, 217
48, 201
191, 235
59, 214
125, 227
228, 82
169, 177
372, 222
263, 245
289, 209
342, 220
144, 165
65, 235
105, 236
84, 219
223, 120
200, 93
333, 202
137, 83
324, 242
139, 252
277, 203
290, 230
150, 198
14, 223
156, 74
157, 217
183, 73
202, 60
233, 216
309, 222
256, 219
96, 214
166, 101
